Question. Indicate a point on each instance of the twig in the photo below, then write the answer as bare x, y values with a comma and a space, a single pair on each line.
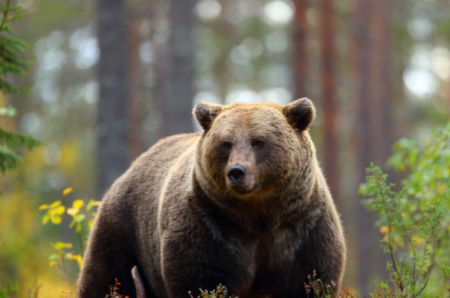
140, 291
390, 246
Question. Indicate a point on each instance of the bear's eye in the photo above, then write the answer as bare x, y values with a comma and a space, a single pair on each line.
258, 144
226, 145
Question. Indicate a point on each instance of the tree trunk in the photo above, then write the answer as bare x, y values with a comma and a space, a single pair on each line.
176, 116
381, 107
381, 89
299, 40
373, 130
135, 11
328, 55
112, 153
363, 130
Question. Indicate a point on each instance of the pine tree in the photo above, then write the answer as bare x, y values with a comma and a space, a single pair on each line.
11, 65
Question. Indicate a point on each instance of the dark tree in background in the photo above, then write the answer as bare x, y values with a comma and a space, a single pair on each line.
361, 77
178, 77
299, 41
373, 130
381, 80
329, 104
136, 12
112, 108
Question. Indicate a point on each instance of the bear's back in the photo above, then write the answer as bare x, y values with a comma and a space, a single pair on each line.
149, 171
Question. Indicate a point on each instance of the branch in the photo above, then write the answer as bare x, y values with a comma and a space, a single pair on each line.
5, 15
140, 291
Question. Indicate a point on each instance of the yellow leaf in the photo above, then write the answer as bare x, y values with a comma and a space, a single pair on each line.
96, 203
94, 214
42, 207
417, 239
46, 218
67, 191
56, 220
79, 261
60, 210
77, 258
441, 188
72, 211
91, 223
68, 245
384, 230
53, 263
55, 204
72, 224
78, 204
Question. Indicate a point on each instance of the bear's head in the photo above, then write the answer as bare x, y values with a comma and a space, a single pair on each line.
254, 150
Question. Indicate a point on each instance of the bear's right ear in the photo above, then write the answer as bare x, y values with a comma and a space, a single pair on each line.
300, 113
205, 113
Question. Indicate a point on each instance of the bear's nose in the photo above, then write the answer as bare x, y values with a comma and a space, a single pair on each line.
236, 173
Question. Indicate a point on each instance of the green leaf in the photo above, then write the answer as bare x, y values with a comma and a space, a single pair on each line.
79, 218
53, 257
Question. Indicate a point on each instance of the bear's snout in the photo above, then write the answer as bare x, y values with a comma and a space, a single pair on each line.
236, 173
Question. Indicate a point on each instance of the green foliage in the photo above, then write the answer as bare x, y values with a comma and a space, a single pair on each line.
10, 141
413, 218
10, 290
446, 273
10, 65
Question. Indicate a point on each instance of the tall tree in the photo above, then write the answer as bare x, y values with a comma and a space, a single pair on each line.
380, 78
176, 105
137, 10
112, 110
380, 92
374, 130
329, 106
361, 76
299, 41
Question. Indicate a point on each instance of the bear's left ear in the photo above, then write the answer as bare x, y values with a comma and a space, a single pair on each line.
300, 113
205, 113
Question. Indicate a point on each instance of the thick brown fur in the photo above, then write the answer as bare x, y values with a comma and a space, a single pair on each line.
177, 216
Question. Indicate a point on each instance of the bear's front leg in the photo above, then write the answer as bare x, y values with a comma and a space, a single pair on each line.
192, 259
108, 257
323, 254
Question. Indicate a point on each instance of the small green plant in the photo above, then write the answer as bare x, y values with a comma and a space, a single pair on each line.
411, 239
320, 289
413, 218
446, 273
220, 292
114, 291
10, 290
78, 215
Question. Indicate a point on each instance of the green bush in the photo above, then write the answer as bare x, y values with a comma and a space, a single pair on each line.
414, 218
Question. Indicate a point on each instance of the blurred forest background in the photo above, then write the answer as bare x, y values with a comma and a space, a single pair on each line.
110, 78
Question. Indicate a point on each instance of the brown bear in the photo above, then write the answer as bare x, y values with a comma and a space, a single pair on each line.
243, 204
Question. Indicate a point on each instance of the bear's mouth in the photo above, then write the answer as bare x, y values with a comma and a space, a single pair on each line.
245, 186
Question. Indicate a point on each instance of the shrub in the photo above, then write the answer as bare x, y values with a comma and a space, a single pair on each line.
413, 219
